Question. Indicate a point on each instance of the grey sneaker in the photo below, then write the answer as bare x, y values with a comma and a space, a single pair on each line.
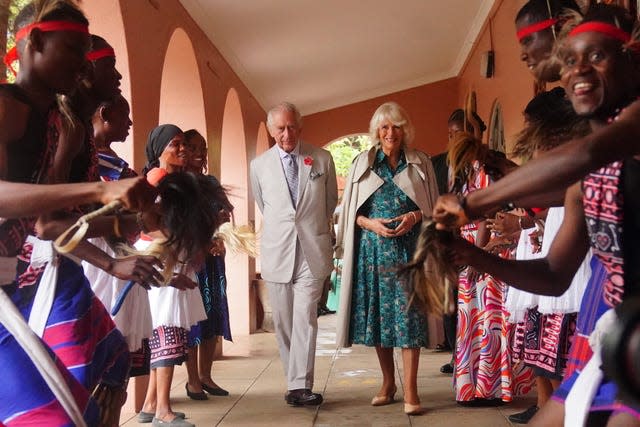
176, 422
147, 417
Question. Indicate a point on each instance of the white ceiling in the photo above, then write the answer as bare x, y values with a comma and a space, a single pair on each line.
328, 53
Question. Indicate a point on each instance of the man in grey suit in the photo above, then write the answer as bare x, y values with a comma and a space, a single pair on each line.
294, 185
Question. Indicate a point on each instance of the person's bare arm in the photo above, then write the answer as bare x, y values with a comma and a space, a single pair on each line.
551, 275
50, 226
13, 122
530, 184
19, 200
138, 268
22, 200
70, 143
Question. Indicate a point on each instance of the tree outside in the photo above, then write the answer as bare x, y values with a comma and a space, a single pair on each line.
343, 151
8, 11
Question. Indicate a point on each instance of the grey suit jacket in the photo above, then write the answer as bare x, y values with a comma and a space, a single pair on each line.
283, 224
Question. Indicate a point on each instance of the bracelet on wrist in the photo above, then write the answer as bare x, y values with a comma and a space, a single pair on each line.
415, 217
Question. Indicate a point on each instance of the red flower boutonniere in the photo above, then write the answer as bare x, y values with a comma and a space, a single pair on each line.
308, 160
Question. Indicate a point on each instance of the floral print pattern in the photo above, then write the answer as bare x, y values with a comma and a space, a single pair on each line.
380, 310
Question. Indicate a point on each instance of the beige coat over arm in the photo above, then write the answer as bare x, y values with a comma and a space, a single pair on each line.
417, 181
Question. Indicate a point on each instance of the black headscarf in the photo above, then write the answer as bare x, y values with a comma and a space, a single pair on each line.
158, 140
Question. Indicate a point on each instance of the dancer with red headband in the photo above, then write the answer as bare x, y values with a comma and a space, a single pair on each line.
51, 58
538, 23
599, 75
107, 361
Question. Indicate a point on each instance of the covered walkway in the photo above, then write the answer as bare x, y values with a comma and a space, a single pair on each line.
252, 373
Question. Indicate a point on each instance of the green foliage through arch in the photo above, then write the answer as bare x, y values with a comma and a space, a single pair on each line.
345, 149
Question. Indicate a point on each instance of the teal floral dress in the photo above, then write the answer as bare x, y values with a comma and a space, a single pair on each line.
380, 314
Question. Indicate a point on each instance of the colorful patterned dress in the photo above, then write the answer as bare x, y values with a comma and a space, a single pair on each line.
543, 337
380, 314
483, 368
604, 209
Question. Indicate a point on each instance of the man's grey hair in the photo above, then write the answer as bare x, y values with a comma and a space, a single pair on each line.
284, 106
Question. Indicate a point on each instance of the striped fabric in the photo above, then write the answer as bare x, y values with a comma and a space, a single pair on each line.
603, 208
291, 173
79, 330
112, 168
25, 398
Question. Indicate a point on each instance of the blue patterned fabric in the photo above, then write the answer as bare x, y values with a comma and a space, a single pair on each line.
112, 168
380, 314
213, 287
26, 397
79, 329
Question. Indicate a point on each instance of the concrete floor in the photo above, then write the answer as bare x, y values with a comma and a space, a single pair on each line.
348, 379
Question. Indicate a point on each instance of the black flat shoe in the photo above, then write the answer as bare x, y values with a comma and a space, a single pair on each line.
525, 416
481, 403
214, 391
195, 396
302, 396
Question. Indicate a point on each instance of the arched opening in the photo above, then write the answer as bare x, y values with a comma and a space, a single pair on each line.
181, 101
234, 173
106, 21
344, 150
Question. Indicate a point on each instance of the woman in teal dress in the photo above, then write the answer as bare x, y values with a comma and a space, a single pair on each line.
387, 190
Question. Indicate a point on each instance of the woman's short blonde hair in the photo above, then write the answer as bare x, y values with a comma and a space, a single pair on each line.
395, 114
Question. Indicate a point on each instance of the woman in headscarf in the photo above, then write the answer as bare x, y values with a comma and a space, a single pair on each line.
173, 312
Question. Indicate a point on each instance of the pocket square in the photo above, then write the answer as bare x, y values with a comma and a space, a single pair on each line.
314, 175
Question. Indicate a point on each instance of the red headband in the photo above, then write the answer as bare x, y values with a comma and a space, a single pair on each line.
534, 28
106, 52
43, 26
603, 28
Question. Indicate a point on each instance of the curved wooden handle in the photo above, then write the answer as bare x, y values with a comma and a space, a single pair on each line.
64, 244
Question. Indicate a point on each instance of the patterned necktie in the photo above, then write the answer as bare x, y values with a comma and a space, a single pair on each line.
291, 172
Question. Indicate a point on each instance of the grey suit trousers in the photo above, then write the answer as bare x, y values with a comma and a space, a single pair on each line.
294, 306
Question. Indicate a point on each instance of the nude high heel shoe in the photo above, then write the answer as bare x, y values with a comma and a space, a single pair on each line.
384, 400
411, 409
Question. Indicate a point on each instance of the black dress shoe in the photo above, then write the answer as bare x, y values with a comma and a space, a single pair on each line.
443, 347
215, 391
195, 396
525, 416
447, 368
303, 396
325, 310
